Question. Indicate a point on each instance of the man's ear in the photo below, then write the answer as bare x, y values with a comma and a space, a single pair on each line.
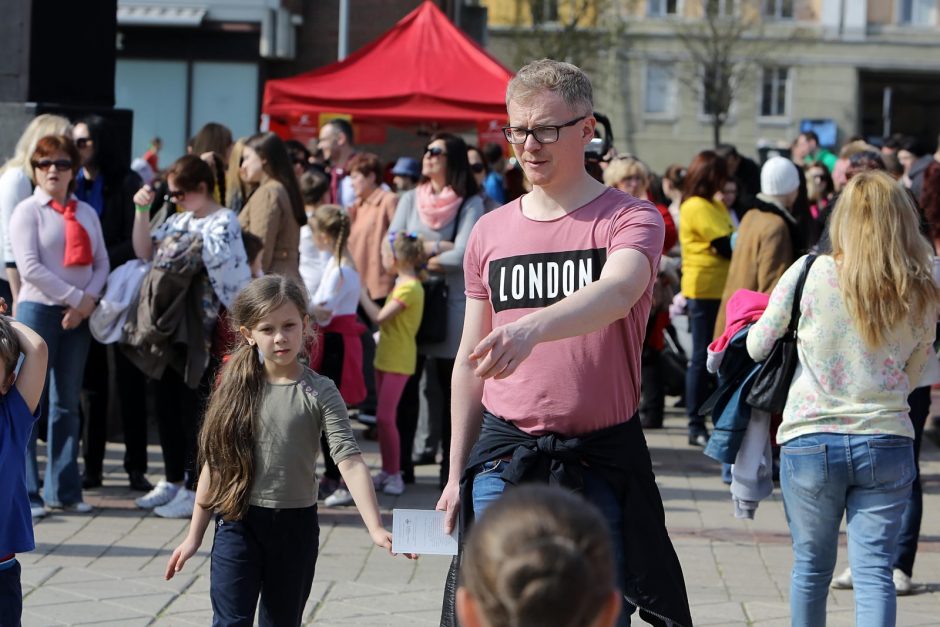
246, 333
588, 127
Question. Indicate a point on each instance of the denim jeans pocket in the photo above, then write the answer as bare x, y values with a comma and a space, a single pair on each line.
892, 462
488, 467
806, 467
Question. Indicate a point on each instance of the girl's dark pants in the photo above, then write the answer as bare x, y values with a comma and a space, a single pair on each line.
271, 553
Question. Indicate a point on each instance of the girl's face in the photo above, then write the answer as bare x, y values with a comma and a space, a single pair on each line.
252, 168
195, 201
279, 336
54, 173
729, 193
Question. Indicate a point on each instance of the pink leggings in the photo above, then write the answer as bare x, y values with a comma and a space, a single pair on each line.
389, 386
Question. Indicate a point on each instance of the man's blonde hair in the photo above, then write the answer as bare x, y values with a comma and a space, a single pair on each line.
567, 80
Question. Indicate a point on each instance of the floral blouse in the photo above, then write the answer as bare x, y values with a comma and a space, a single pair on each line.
840, 385
222, 249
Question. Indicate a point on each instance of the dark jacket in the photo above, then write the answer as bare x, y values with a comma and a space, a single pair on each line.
172, 322
653, 576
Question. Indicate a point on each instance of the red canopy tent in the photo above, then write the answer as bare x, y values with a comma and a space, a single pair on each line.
423, 70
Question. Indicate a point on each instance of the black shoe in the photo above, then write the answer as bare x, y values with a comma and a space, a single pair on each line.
425, 458
138, 482
91, 480
698, 439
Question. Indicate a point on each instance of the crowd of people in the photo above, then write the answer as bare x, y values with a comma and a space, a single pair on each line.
253, 283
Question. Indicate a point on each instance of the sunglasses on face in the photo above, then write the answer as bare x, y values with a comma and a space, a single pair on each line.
83, 142
477, 168
434, 152
60, 164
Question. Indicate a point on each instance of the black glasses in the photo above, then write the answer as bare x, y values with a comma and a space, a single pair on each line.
547, 134
477, 167
60, 164
174, 195
82, 142
434, 151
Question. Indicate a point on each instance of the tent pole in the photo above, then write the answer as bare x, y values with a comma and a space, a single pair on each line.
343, 48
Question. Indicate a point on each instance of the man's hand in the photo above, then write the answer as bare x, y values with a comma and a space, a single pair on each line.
449, 503
500, 353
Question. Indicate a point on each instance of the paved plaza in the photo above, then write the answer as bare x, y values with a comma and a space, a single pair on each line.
107, 568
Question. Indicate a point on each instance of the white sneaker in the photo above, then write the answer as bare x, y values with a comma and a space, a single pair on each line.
163, 493
340, 497
38, 511
903, 585
394, 485
378, 480
843, 581
181, 506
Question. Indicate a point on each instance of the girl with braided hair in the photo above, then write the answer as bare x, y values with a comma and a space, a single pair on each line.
540, 556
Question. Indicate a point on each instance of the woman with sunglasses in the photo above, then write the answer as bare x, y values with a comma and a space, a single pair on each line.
190, 182
106, 182
442, 209
480, 172
275, 211
63, 263
16, 185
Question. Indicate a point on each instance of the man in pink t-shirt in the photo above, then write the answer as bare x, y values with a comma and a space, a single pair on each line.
559, 286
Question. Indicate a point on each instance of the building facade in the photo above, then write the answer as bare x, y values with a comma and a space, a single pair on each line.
844, 68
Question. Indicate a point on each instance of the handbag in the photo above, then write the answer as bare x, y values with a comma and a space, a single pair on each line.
433, 326
772, 383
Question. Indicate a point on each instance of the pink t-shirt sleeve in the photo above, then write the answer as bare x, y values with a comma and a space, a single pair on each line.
472, 268
641, 228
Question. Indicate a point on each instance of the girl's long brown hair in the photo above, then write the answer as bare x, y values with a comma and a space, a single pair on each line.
885, 264
226, 440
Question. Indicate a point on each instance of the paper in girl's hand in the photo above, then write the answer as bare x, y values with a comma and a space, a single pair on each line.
421, 532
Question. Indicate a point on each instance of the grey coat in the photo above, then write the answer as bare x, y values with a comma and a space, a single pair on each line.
407, 219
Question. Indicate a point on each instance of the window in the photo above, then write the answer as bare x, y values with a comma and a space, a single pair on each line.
662, 8
660, 90
778, 9
773, 100
720, 8
917, 12
544, 11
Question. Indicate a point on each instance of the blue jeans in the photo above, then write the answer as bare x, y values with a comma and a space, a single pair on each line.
60, 399
488, 486
868, 478
703, 312
11, 593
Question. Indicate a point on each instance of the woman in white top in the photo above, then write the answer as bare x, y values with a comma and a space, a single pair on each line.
16, 185
315, 189
867, 325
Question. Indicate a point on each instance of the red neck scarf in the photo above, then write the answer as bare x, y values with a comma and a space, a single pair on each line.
77, 242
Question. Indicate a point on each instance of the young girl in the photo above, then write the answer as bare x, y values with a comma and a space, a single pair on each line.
333, 306
259, 447
397, 351
540, 556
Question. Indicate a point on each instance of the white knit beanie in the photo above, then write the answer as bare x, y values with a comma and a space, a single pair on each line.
779, 177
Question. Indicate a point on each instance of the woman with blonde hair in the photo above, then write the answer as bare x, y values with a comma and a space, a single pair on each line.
869, 312
16, 185
237, 190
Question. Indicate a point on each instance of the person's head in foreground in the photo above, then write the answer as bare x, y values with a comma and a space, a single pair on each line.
538, 557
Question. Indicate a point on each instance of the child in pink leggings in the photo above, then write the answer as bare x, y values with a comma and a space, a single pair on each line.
397, 350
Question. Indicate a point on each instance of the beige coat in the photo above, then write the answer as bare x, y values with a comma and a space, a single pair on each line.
268, 215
